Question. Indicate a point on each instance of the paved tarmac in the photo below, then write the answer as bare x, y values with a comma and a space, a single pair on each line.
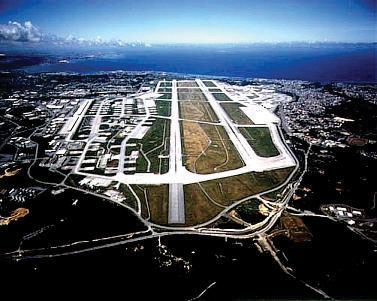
176, 204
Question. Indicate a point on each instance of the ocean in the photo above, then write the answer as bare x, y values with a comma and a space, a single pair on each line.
322, 63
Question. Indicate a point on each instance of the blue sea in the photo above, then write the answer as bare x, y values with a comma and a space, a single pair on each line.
323, 63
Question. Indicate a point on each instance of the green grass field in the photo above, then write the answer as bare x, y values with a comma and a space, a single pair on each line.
214, 90
196, 110
157, 201
231, 189
165, 84
130, 198
187, 84
163, 108
234, 112
164, 90
249, 211
209, 83
260, 140
208, 149
198, 208
154, 143
221, 97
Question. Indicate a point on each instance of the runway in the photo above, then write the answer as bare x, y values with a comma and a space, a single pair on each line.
176, 204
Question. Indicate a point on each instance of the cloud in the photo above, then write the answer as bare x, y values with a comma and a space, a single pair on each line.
14, 31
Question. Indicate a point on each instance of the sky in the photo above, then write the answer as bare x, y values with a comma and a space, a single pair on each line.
193, 21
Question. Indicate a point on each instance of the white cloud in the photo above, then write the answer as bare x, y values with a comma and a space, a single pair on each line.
27, 32
14, 31
70, 38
